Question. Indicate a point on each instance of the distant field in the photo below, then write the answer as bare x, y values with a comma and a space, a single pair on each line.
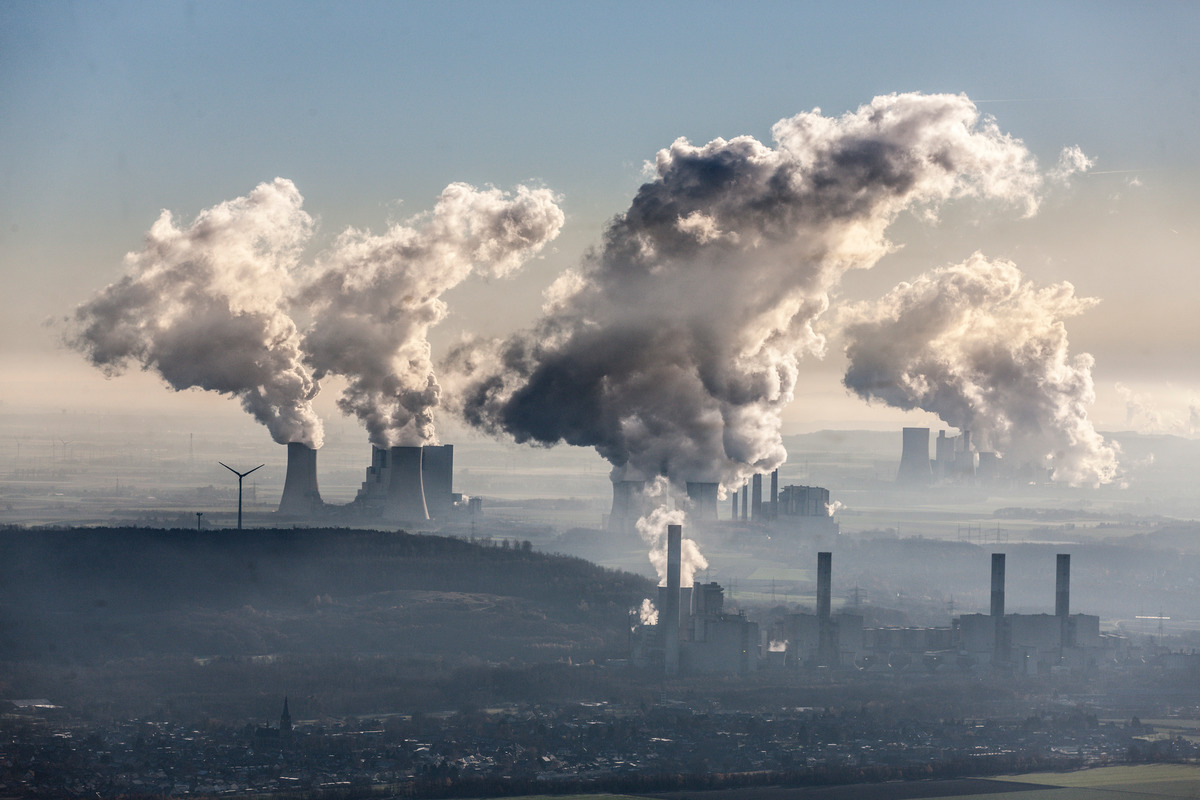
1144, 782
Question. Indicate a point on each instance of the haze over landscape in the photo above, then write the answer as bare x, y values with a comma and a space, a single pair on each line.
636, 264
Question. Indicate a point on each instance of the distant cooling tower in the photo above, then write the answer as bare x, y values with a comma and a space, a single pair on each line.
626, 505
704, 500
914, 458
756, 500
405, 490
301, 496
437, 476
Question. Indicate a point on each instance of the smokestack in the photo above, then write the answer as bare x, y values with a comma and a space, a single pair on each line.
774, 494
745, 500
734, 496
824, 584
1062, 586
997, 584
670, 614
756, 498
406, 490
914, 458
437, 477
301, 496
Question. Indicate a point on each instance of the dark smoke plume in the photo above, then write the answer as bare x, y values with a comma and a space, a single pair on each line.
204, 306
675, 345
374, 299
986, 350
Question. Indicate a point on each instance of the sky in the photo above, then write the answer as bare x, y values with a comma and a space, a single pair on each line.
111, 112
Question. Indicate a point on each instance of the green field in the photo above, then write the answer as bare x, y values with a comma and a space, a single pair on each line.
1144, 782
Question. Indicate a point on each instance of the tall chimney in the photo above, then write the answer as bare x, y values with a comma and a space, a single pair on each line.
997, 584
914, 458
406, 490
774, 494
745, 500
756, 498
1062, 586
824, 584
734, 495
301, 496
826, 649
437, 477
670, 615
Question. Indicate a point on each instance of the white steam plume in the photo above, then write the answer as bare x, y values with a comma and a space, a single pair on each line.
676, 344
375, 297
205, 306
653, 529
986, 350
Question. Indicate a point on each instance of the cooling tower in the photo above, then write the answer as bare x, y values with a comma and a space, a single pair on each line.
405, 490
756, 505
437, 476
914, 458
1062, 586
669, 615
301, 496
704, 500
997, 584
626, 505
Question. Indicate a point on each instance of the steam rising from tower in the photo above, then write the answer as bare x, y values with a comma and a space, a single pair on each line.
375, 297
676, 344
205, 306
986, 350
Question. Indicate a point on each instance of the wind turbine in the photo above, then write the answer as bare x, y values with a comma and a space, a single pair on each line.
240, 476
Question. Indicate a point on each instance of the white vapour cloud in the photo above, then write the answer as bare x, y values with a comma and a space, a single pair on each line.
986, 350
1143, 411
675, 345
204, 306
652, 527
375, 297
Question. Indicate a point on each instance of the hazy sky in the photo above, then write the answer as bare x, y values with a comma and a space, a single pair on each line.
112, 112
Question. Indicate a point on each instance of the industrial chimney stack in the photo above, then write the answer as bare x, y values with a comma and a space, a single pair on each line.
301, 496
997, 584
1062, 586
669, 616
826, 649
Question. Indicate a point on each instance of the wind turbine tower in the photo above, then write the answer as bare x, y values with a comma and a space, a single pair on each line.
240, 476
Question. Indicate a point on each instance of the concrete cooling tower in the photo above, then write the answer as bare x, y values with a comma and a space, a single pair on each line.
437, 474
406, 487
704, 500
626, 505
301, 497
915, 469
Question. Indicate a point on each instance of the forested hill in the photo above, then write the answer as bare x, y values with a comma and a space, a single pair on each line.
144, 591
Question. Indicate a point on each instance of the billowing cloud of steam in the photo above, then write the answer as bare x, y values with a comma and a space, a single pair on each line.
1143, 412
375, 297
205, 306
653, 529
675, 345
986, 350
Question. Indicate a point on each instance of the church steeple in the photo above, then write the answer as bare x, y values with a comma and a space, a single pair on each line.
285, 720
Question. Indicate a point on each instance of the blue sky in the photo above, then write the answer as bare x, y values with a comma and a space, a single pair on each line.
111, 112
